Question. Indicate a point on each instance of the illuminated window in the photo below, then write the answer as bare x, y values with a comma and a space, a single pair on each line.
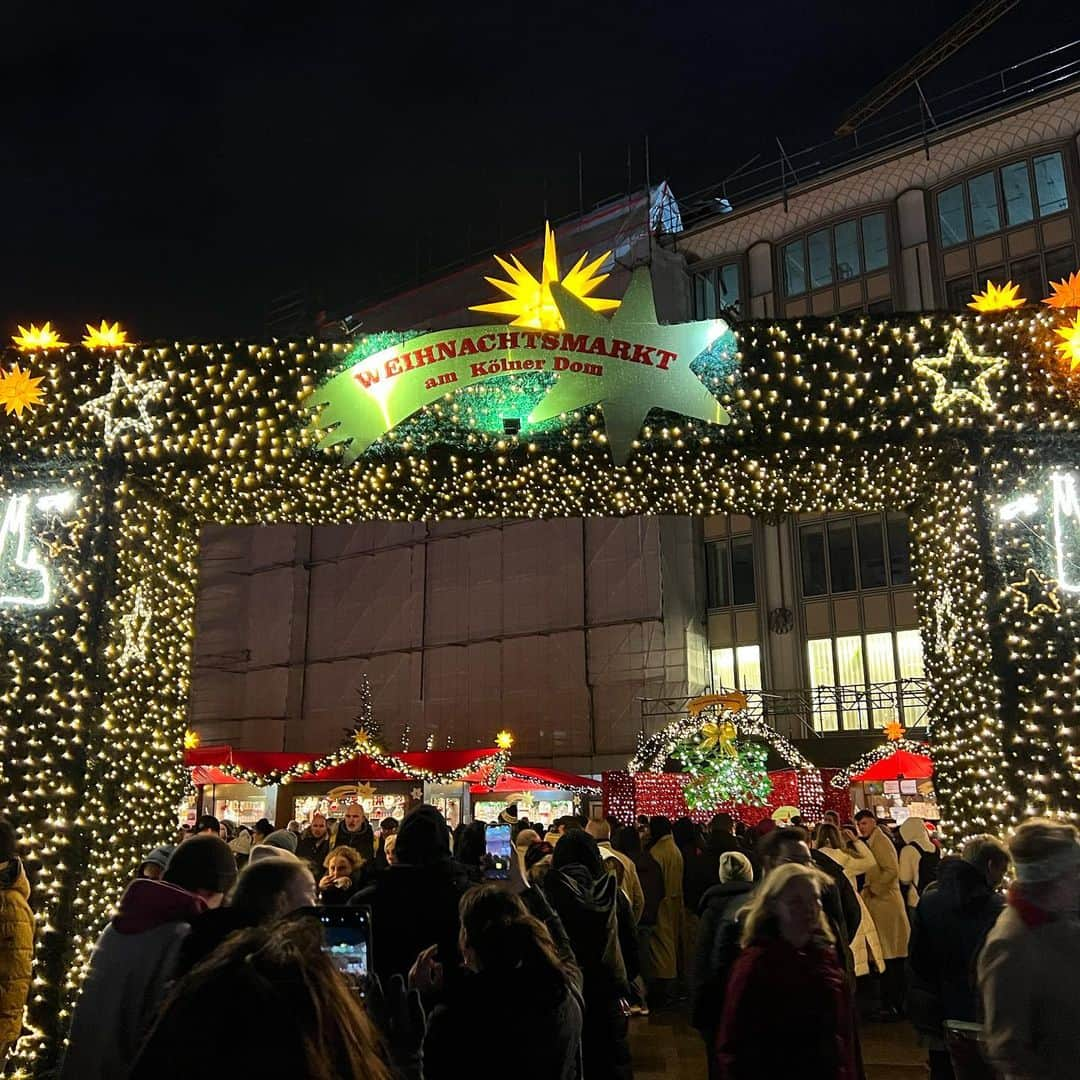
737, 669
848, 259
1050, 189
1016, 187
982, 191
729, 572
858, 680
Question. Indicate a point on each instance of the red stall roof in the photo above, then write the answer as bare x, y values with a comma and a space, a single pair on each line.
205, 764
527, 778
899, 763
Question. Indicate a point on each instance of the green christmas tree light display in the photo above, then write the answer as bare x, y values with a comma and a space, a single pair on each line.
722, 770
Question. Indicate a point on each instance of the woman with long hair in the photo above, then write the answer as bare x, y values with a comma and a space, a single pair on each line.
339, 882
787, 956
850, 853
513, 970
279, 972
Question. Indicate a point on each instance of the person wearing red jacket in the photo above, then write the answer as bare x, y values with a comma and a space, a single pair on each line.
787, 967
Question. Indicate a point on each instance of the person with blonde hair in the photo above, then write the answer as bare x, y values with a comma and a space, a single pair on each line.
1027, 969
339, 882
788, 955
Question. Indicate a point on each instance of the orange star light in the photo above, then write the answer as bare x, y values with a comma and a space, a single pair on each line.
105, 336
1066, 293
894, 730
36, 339
18, 390
1069, 346
997, 298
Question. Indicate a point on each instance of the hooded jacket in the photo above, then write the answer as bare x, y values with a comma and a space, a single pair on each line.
130, 970
16, 947
586, 899
948, 929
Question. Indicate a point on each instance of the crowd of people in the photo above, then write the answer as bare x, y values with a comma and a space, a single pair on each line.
779, 940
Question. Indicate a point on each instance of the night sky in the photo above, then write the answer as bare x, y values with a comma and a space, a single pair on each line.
178, 166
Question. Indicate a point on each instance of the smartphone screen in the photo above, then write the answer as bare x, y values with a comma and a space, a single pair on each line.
347, 941
497, 863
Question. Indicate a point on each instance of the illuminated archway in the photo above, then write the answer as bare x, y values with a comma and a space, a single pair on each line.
113, 460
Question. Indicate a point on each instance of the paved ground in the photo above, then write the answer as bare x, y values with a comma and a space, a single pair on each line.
664, 1045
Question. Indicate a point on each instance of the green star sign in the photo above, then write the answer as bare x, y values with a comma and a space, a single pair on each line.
629, 390
630, 364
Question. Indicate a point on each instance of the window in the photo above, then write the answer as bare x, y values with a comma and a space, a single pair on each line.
812, 551
843, 253
857, 679
1050, 184
794, 269
820, 259
872, 551
716, 291
875, 242
737, 669
951, 219
729, 572
1003, 198
848, 260
982, 191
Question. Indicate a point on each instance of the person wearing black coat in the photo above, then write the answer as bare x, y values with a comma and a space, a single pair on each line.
948, 928
597, 917
716, 948
414, 903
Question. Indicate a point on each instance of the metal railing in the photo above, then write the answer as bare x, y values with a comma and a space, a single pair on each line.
816, 712
921, 120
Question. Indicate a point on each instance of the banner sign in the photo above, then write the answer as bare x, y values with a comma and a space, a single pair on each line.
629, 364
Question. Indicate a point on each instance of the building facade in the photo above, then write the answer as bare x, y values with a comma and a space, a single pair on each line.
576, 635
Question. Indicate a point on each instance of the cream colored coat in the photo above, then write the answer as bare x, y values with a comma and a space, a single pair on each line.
866, 942
664, 942
1027, 979
881, 894
631, 882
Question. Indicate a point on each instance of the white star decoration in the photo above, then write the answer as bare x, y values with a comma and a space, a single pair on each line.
418, 794
125, 387
136, 629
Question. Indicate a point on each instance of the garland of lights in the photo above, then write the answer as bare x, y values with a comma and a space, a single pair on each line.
843, 777
827, 415
518, 773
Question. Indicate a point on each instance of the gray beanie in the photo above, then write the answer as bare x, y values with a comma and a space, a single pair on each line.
283, 839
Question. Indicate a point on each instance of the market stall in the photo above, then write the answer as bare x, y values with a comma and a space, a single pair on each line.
541, 795
894, 780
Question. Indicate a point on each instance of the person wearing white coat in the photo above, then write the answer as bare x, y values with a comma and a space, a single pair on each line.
855, 858
916, 844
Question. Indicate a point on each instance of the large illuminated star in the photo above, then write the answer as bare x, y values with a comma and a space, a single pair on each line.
952, 375
135, 626
124, 387
628, 391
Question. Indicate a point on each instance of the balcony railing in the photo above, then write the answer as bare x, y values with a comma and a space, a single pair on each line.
811, 712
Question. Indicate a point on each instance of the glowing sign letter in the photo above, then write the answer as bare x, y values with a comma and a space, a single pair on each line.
24, 581
1066, 530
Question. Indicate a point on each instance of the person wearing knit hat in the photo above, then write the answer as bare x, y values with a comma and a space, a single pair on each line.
153, 866
280, 843
135, 959
1027, 970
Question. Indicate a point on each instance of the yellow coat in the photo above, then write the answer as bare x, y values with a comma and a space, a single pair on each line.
664, 942
16, 948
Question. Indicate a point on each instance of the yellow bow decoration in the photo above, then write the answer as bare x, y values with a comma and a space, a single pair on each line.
720, 735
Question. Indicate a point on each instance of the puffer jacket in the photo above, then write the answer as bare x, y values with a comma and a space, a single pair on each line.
16, 948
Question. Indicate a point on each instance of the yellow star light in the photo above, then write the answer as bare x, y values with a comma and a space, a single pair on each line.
1069, 345
531, 303
951, 389
997, 298
18, 390
504, 740
1038, 593
105, 336
192, 739
36, 339
1066, 293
